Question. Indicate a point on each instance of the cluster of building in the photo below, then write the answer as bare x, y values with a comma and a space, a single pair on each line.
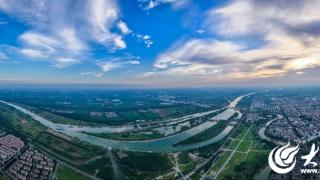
252, 117
170, 100
258, 108
258, 104
32, 164
281, 129
104, 101
9, 146
301, 121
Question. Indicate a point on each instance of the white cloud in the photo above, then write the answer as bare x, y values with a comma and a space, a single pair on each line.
61, 49
255, 16
33, 53
147, 74
135, 62
287, 32
123, 27
72, 42
62, 62
200, 31
86, 73
150, 4
40, 41
30, 11
66, 60
119, 43
57, 32
3, 56
101, 16
109, 65
90, 73
229, 60
198, 51
146, 39
113, 63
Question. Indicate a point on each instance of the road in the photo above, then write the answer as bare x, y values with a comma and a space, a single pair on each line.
117, 171
199, 166
176, 163
233, 152
67, 165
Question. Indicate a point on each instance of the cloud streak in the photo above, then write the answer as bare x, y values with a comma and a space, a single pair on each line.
3, 56
150, 4
287, 30
56, 34
113, 63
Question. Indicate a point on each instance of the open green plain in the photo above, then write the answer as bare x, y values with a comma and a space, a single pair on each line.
242, 156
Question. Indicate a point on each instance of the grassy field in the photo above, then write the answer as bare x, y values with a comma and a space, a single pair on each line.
20, 122
50, 116
74, 151
206, 134
236, 159
71, 151
250, 155
186, 164
127, 136
65, 173
250, 136
233, 144
185, 168
138, 165
244, 146
101, 167
184, 158
223, 157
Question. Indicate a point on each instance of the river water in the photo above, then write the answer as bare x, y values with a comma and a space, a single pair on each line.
165, 144
262, 131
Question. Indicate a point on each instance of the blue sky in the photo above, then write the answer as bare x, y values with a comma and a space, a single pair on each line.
161, 43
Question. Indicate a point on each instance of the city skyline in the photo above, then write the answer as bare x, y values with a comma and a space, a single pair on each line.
160, 43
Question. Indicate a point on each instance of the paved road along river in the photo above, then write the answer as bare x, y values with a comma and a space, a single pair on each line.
165, 144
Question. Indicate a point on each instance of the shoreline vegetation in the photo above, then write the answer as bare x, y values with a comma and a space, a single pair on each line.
206, 134
78, 154
126, 136
136, 136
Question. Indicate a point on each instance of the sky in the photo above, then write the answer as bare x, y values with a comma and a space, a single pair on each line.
160, 43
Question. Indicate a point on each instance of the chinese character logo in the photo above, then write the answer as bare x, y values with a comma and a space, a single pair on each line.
310, 156
282, 160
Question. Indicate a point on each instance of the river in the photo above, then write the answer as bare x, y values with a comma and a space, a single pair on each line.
262, 130
165, 144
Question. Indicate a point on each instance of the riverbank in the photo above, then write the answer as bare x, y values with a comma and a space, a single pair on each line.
159, 145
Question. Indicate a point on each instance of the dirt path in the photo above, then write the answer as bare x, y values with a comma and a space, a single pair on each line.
233, 152
116, 169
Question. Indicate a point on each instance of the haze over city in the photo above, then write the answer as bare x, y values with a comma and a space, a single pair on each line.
160, 43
